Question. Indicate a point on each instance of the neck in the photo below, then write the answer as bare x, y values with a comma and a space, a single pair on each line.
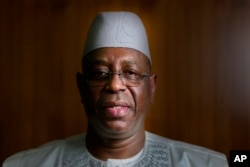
120, 148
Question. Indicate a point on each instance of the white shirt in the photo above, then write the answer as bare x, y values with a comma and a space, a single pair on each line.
157, 151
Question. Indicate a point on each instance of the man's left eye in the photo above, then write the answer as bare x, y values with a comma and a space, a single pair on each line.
130, 74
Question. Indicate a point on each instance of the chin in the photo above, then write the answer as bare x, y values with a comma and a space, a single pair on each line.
116, 131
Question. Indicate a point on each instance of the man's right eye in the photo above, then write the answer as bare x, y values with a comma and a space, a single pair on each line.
97, 75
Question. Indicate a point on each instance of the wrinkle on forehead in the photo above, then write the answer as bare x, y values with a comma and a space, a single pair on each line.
116, 56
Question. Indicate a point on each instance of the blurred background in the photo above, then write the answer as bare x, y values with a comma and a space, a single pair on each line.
200, 51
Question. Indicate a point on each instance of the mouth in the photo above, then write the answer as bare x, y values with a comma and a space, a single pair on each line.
115, 109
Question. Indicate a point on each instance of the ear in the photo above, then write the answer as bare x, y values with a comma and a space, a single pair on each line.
81, 85
153, 79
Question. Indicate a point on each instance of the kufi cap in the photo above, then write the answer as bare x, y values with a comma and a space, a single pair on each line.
117, 29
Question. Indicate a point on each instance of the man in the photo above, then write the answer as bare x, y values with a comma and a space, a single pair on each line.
117, 88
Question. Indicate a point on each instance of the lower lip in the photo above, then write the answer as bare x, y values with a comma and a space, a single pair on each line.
116, 112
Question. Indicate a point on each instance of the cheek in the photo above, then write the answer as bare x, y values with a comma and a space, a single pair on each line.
91, 99
141, 98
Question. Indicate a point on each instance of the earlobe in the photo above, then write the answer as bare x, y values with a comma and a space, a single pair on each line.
153, 79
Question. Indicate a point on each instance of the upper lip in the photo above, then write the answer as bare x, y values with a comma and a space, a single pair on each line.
115, 104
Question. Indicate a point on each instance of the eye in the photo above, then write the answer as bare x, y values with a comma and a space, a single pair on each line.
98, 75
131, 74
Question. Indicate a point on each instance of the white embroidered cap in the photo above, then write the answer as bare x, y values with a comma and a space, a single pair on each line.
117, 29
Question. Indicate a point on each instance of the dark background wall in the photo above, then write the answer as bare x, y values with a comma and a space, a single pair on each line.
200, 51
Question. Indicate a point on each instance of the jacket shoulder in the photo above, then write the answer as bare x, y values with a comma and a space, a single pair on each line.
49, 154
182, 153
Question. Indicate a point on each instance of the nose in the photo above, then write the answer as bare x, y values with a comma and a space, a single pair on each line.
115, 83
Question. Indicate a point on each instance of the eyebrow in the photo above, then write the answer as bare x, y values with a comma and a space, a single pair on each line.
129, 62
99, 62
103, 62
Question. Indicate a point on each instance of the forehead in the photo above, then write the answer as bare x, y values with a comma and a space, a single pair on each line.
119, 56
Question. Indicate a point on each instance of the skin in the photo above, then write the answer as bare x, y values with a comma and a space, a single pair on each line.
116, 112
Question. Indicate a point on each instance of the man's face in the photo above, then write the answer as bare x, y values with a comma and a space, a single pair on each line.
115, 108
